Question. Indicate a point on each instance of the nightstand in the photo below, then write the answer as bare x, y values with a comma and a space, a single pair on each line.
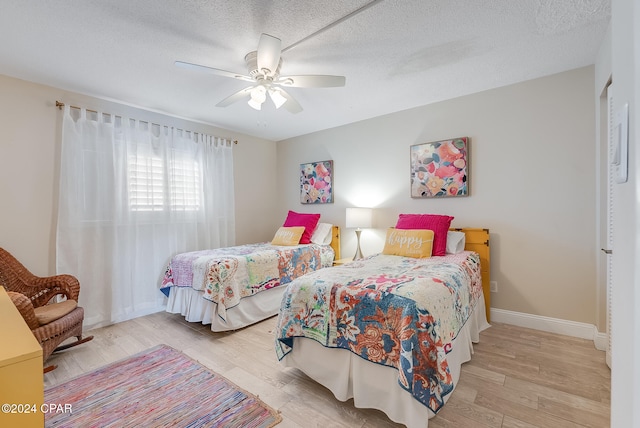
342, 261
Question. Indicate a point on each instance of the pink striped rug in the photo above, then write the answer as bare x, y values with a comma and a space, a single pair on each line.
160, 387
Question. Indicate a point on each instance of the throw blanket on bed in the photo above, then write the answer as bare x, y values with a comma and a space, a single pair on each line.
228, 274
397, 311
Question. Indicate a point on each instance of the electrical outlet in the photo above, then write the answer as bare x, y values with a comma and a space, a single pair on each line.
494, 286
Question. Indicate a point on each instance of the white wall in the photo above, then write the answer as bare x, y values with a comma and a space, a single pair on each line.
532, 182
30, 151
625, 376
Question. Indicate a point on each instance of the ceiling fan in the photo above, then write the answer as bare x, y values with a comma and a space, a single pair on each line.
264, 73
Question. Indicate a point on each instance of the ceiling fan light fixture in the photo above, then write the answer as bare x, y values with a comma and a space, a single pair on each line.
264, 66
258, 96
277, 98
254, 104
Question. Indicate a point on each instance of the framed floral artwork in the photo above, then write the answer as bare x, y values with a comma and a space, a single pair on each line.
440, 168
316, 182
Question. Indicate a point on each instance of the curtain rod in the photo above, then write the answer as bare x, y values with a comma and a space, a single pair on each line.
61, 104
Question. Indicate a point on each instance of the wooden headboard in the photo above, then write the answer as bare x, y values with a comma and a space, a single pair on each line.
478, 240
335, 241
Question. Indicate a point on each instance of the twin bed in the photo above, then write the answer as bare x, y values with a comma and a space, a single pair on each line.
233, 287
389, 331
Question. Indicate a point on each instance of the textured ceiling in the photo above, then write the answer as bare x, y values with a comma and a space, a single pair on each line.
396, 54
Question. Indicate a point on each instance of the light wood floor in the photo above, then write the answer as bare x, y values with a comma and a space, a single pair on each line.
517, 377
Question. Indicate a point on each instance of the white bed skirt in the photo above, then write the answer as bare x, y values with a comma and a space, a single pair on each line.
374, 385
190, 303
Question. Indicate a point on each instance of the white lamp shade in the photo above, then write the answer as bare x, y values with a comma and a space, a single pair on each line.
254, 104
277, 98
258, 96
359, 217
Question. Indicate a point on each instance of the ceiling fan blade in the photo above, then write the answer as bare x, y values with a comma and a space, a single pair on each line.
268, 54
311, 81
291, 105
210, 70
235, 97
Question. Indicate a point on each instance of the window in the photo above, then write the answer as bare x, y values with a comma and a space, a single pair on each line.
184, 181
132, 192
148, 181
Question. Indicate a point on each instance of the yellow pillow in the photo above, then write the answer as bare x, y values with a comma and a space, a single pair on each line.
416, 243
288, 235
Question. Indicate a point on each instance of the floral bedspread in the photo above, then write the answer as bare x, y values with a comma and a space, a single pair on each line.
397, 311
229, 274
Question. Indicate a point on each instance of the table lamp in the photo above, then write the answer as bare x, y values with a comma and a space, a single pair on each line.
358, 218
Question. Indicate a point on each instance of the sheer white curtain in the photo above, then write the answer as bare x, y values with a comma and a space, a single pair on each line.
132, 194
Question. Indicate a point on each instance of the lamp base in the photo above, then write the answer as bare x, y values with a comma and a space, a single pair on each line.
358, 255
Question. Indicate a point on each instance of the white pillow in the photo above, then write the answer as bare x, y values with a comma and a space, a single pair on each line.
322, 234
455, 242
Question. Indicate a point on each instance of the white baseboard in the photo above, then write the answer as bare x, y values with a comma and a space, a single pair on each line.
551, 325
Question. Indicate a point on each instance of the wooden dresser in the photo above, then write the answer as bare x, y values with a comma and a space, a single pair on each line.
21, 378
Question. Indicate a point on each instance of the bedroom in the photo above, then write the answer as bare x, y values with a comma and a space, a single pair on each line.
543, 223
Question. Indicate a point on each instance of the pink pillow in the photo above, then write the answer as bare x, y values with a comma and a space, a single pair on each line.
309, 221
438, 223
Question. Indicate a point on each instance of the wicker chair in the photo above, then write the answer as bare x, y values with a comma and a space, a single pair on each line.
51, 323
